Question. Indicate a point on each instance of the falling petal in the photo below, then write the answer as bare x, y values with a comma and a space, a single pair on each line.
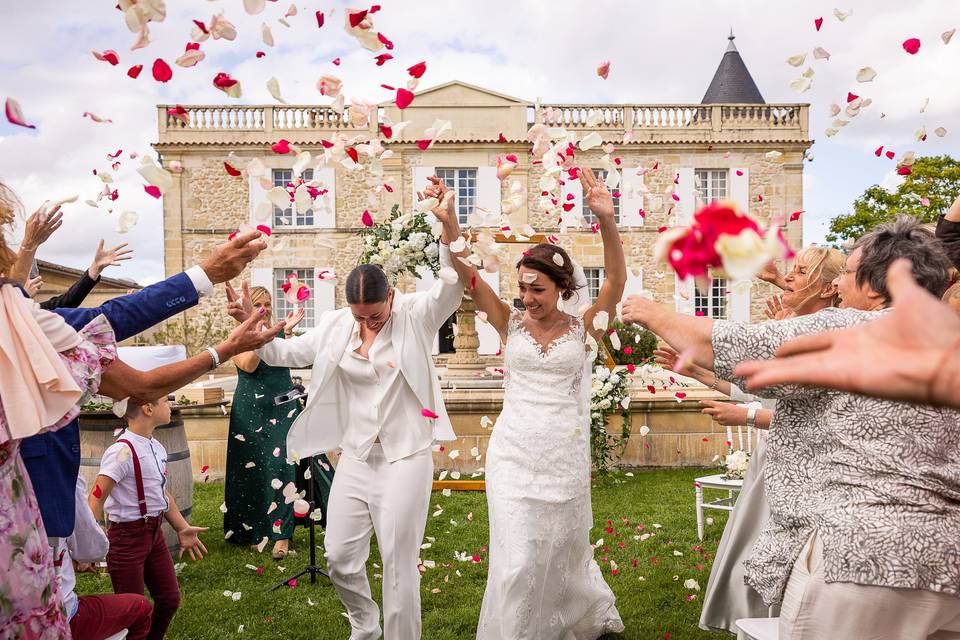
940, 131
818, 22
404, 98
801, 84
273, 86
946, 36
797, 60
911, 45
821, 54
107, 56
161, 71
866, 74
603, 69
15, 114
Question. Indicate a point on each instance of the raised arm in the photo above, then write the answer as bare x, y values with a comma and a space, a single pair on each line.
40, 226
121, 380
669, 359
685, 333
598, 198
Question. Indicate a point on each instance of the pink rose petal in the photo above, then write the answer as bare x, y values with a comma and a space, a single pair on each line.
366, 219
15, 114
152, 190
427, 413
911, 45
282, 147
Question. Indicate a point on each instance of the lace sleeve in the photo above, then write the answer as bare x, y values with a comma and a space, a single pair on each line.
515, 322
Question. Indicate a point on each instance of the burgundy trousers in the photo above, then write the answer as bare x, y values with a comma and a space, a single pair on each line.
99, 617
138, 556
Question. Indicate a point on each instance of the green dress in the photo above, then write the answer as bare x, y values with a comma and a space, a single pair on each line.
262, 427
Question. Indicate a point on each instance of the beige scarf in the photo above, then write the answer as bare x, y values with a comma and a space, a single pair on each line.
35, 386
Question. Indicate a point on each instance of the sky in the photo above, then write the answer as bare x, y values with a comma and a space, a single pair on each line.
661, 51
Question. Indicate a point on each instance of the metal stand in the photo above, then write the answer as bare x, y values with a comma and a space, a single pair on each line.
312, 568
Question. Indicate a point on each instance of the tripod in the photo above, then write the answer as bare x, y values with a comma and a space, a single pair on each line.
311, 568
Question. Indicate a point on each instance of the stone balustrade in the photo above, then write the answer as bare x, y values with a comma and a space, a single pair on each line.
225, 124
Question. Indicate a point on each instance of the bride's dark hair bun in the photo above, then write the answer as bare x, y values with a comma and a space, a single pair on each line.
541, 258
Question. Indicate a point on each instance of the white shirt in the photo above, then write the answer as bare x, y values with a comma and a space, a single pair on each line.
200, 281
117, 463
381, 402
87, 543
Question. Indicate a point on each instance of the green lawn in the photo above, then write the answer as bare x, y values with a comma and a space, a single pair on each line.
650, 596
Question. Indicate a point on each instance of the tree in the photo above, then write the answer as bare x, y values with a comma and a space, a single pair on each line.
936, 178
195, 331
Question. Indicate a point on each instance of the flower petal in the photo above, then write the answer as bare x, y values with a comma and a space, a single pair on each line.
15, 114
946, 36
866, 74
404, 98
603, 69
417, 70
107, 56
911, 45
797, 60
273, 86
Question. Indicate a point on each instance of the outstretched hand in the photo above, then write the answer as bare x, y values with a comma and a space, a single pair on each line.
901, 356
444, 211
40, 226
108, 257
726, 413
596, 196
228, 260
190, 542
239, 307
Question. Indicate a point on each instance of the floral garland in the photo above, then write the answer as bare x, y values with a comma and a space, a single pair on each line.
400, 244
609, 395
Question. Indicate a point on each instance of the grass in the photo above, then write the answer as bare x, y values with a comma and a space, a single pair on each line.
651, 596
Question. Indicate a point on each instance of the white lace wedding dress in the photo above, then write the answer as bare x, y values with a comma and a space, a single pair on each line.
544, 583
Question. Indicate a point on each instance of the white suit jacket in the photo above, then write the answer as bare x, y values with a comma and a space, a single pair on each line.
417, 317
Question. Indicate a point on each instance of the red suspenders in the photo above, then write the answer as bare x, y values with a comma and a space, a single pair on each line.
141, 497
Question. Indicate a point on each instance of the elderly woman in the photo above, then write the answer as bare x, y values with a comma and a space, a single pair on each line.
864, 493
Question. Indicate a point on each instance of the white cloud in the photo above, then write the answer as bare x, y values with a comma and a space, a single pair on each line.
661, 52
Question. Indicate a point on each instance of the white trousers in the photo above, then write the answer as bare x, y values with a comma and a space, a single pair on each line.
816, 610
391, 500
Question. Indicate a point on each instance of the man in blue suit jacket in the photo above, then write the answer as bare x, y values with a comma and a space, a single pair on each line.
53, 459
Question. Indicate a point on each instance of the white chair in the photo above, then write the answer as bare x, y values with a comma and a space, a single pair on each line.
120, 635
758, 629
717, 481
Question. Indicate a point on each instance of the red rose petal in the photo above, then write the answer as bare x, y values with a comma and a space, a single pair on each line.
366, 219
904, 171
911, 45
319, 19
352, 152
356, 17
427, 413
879, 151
423, 144
107, 56
282, 147
230, 170
628, 350
152, 190
383, 57
336, 61
192, 46
851, 96
260, 54
386, 41
135, 70
417, 70
97, 491
161, 71
890, 154
223, 81
651, 388
404, 98
818, 23
201, 26
795, 216
386, 131
739, 172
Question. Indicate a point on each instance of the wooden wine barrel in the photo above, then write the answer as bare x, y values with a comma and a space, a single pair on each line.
97, 433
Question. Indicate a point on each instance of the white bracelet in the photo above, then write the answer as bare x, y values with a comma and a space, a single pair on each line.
751, 417
214, 356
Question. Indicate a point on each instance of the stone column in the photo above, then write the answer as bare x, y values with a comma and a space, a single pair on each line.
465, 361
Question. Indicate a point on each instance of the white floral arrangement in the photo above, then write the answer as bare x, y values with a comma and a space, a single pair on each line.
735, 465
609, 394
400, 244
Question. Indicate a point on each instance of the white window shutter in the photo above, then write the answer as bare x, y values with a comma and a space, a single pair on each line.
739, 296
573, 217
325, 206
262, 278
324, 291
489, 338
420, 175
425, 280
740, 188
687, 192
261, 209
631, 198
488, 191
685, 305
634, 285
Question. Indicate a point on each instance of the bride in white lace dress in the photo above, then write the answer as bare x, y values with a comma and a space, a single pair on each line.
544, 583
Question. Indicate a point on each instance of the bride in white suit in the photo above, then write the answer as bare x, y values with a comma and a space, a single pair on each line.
373, 387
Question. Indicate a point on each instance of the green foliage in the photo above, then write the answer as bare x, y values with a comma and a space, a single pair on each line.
636, 339
936, 178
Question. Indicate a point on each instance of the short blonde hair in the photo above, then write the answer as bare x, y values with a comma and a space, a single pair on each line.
259, 293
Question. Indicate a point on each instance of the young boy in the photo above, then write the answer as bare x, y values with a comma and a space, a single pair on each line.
132, 487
